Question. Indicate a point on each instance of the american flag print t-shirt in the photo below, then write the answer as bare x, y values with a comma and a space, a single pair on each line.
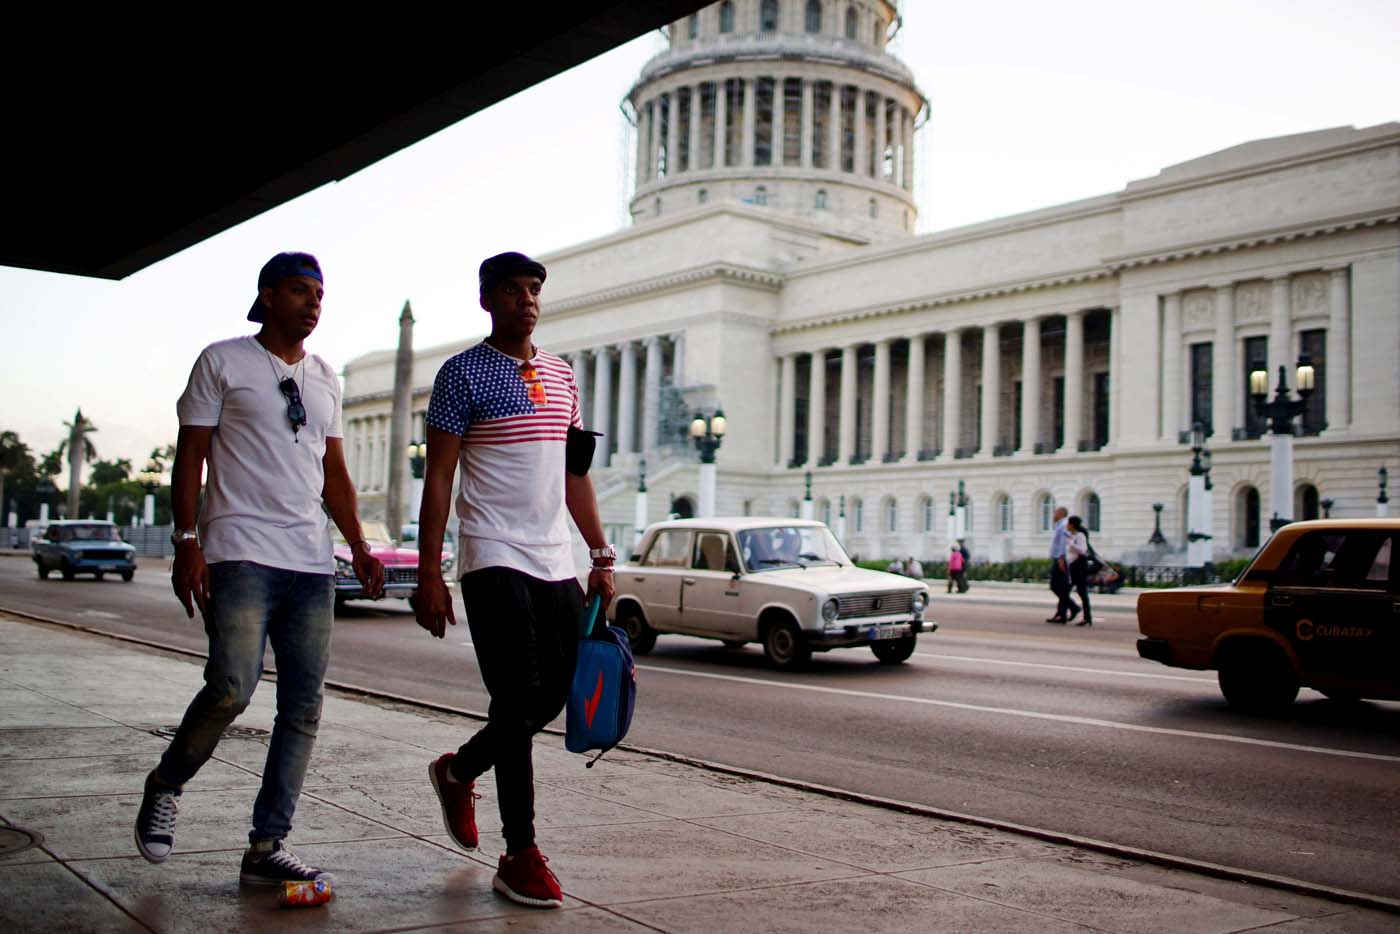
510, 509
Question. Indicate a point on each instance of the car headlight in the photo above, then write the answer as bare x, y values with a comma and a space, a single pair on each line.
344, 568
920, 601
830, 609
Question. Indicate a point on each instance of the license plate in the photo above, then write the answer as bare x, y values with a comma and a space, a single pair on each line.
110, 567
886, 632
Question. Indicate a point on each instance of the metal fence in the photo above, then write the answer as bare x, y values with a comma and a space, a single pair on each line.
152, 540
15, 538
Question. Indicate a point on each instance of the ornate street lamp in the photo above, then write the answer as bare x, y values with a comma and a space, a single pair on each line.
1326, 505
1197, 503
708, 435
46, 489
1157, 537
1281, 411
1382, 500
417, 462
639, 505
417, 458
150, 482
808, 507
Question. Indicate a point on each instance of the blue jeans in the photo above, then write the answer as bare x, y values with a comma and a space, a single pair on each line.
250, 604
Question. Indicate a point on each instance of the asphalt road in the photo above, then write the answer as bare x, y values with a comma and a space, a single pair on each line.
997, 715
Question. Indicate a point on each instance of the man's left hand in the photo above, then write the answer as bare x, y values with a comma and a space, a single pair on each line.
601, 583
369, 570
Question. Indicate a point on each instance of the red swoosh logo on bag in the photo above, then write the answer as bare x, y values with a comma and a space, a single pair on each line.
590, 706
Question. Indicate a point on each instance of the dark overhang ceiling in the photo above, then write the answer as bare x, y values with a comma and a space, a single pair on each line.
125, 146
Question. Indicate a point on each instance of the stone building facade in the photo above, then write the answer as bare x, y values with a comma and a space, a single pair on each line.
1053, 357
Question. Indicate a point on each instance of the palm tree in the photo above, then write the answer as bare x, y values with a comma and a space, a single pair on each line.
13, 453
79, 450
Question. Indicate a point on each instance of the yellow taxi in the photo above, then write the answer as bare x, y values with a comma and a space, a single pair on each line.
1318, 607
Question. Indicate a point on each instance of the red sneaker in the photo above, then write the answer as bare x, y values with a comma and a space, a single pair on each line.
524, 878
458, 803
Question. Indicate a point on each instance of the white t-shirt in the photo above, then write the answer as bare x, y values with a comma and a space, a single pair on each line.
511, 511
262, 499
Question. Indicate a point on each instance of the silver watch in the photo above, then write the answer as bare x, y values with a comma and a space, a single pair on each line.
607, 551
184, 535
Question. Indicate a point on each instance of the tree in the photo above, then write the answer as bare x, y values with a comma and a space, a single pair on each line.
79, 449
163, 458
14, 457
107, 472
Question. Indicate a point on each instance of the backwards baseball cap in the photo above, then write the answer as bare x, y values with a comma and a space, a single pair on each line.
278, 268
504, 265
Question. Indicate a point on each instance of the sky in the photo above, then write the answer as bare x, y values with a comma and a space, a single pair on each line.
1031, 105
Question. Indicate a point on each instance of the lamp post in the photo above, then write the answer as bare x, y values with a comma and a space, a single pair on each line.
1281, 411
952, 517
45, 489
1157, 538
1382, 500
1208, 507
962, 512
1327, 505
808, 507
417, 461
150, 482
841, 521
708, 434
639, 507
1197, 538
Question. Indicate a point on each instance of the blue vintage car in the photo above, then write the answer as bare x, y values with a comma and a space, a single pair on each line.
83, 546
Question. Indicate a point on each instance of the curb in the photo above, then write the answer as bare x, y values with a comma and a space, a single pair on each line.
1200, 867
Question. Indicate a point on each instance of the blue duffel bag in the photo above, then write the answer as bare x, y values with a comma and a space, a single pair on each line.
604, 691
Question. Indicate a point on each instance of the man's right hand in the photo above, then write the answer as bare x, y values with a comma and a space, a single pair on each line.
190, 578
432, 602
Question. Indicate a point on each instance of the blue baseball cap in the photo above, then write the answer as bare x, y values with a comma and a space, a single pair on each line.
504, 265
280, 267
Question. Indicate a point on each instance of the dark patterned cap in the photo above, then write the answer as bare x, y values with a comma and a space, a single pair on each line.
504, 265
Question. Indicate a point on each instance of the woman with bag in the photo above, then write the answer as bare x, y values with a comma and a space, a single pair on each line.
957, 569
1078, 554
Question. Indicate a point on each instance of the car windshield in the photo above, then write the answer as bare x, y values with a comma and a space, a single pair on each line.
376, 533
87, 533
786, 546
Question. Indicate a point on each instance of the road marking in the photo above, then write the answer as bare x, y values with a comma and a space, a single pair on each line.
1090, 671
1030, 714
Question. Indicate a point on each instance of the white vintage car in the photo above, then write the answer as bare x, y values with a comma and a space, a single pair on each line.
784, 583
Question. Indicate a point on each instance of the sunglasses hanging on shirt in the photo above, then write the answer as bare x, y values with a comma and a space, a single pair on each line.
534, 384
296, 412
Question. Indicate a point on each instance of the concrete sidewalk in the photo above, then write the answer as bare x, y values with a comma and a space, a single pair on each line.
640, 843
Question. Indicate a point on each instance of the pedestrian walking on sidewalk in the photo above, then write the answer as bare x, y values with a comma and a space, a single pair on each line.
957, 569
507, 413
1077, 554
264, 415
1059, 569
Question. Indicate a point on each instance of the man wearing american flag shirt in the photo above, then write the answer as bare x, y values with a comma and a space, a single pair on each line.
503, 410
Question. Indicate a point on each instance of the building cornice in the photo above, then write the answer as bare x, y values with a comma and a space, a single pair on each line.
749, 276
1073, 277
1209, 247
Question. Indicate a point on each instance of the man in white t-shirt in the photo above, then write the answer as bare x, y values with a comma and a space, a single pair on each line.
265, 417
508, 414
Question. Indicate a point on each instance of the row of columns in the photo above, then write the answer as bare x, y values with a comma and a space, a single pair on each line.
367, 448
596, 394
952, 394
651, 145
1227, 355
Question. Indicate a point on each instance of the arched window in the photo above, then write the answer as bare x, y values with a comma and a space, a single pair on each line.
760, 195
926, 511
768, 16
1045, 512
814, 16
891, 515
1247, 517
1005, 514
1093, 509
1307, 505
821, 199
692, 26
858, 508
726, 16
874, 208
850, 22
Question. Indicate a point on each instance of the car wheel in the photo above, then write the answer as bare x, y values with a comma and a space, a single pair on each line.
67, 572
340, 603
1257, 680
641, 636
894, 651
734, 643
784, 646
43, 571
98, 575
128, 575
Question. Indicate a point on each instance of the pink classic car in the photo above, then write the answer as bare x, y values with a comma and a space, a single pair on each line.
400, 566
